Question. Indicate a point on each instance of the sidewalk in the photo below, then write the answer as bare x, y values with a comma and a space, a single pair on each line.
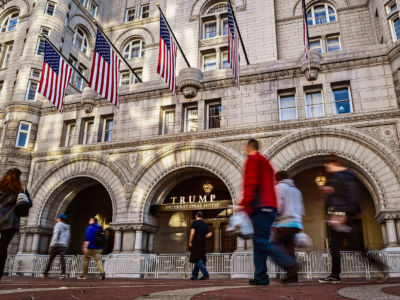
116, 289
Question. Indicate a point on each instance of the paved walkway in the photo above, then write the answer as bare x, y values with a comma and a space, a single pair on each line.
220, 289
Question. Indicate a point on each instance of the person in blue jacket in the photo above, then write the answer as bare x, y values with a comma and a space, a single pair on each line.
91, 248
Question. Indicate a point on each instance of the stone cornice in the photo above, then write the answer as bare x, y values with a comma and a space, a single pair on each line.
383, 216
133, 227
226, 133
35, 230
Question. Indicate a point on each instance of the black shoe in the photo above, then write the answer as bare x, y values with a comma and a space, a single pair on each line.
291, 275
205, 278
291, 279
330, 279
192, 278
256, 282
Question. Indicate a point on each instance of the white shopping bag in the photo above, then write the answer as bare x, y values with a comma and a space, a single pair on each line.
240, 223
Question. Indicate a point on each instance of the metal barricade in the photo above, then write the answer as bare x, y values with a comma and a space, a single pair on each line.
9, 264
42, 260
219, 263
131, 265
173, 264
24, 265
92, 268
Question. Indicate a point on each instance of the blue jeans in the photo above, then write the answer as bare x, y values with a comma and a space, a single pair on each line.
262, 222
200, 265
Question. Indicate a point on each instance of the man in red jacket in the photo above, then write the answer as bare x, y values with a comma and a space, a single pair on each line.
260, 203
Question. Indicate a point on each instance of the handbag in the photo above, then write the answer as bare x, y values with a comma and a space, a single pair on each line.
240, 223
302, 240
22, 205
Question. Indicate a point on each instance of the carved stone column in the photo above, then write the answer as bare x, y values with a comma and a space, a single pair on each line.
35, 243
117, 241
21, 246
384, 234
391, 233
217, 238
189, 82
139, 241
150, 242
128, 241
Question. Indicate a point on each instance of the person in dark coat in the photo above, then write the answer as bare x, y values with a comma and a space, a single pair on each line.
197, 244
10, 187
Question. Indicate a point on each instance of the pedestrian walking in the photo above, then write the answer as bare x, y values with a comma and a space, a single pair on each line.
14, 204
199, 232
93, 247
59, 245
290, 213
260, 203
342, 205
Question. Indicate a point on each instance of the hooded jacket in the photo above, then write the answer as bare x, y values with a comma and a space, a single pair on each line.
61, 235
290, 203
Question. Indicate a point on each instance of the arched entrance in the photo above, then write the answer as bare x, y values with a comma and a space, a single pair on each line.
367, 235
179, 196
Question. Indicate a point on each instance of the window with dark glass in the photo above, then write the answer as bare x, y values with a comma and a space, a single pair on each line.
214, 115
342, 100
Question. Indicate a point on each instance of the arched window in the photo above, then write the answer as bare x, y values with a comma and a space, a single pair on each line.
10, 21
134, 48
81, 40
321, 14
215, 21
217, 8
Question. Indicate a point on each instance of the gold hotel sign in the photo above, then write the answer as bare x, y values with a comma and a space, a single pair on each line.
194, 203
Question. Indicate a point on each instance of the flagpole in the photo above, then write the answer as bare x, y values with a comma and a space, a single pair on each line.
66, 59
240, 36
169, 27
116, 50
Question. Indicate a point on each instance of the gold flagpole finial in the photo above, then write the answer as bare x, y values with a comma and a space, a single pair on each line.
157, 4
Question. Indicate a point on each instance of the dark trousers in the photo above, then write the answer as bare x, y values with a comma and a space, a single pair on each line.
5, 239
200, 265
54, 251
284, 236
262, 222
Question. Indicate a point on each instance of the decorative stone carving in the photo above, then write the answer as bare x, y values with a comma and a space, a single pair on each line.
88, 99
133, 158
35, 230
133, 227
382, 216
385, 133
312, 68
189, 81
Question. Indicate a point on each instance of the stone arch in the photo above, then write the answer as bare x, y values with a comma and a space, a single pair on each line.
53, 181
22, 5
85, 23
198, 6
334, 3
373, 161
221, 161
140, 33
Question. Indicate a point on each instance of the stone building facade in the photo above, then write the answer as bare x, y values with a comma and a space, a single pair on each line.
126, 163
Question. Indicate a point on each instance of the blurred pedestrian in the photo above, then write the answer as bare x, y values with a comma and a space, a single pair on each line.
93, 247
59, 245
290, 213
14, 204
342, 205
199, 232
260, 202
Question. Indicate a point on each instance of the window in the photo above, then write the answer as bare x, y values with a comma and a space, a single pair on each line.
316, 45
10, 22
83, 2
93, 9
76, 78
23, 135
81, 40
217, 8
50, 7
88, 133
342, 100
139, 73
145, 11
287, 107
168, 121
224, 27
1, 86
191, 118
125, 78
224, 60
314, 104
107, 130
134, 49
35, 73
69, 134
391, 7
395, 25
321, 14
6, 55
333, 44
210, 30
209, 62
31, 90
41, 42
130, 15
214, 115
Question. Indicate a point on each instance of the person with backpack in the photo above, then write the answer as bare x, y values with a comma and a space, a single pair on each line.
14, 204
93, 247
59, 245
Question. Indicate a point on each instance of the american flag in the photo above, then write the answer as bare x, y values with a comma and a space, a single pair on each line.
167, 56
105, 70
233, 46
56, 73
305, 31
